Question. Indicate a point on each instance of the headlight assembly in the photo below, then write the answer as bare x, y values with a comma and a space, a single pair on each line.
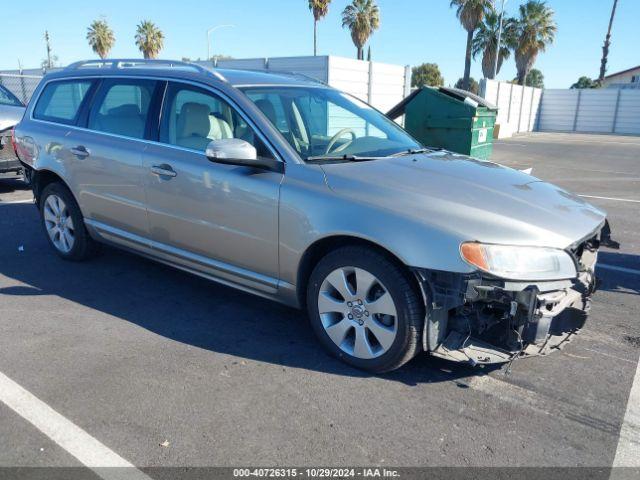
519, 263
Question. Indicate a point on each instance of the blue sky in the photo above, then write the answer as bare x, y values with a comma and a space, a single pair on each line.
412, 32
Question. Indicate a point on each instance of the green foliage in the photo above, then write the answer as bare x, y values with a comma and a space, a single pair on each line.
362, 18
149, 39
474, 87
585, 82
485, 41
100, 38
536, 30
535, 79
426, 75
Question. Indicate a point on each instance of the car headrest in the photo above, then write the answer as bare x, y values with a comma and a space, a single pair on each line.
194, 120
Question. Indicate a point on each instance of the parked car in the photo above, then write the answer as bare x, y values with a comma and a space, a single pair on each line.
291, 190
11, 111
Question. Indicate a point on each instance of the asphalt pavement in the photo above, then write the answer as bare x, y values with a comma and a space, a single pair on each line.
163, 369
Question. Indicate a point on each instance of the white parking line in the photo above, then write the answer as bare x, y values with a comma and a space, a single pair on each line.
611, 198
89, 451
628, 451
618, 269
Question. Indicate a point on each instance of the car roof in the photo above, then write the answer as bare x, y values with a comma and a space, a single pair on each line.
181, 71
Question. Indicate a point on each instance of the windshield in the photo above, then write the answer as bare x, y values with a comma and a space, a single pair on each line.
322, 122
8, 98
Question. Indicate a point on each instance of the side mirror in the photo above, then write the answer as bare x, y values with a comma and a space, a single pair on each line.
234, 151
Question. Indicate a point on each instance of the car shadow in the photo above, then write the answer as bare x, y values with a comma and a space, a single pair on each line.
183, 307
12, 183
619, 281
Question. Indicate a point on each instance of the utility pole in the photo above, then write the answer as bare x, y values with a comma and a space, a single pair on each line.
495, 65
46, 39
209, 32
607, 44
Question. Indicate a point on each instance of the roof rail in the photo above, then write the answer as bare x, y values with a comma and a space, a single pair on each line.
119, 63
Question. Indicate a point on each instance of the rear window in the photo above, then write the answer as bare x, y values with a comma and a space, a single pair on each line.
8, 98
60, 101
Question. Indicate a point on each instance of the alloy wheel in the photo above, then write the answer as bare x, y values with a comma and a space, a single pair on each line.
59, 223
357, 312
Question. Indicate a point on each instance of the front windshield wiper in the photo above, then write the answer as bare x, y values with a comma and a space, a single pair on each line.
415, 151
341, 158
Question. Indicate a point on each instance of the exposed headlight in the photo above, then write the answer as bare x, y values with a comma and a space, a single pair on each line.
519, 263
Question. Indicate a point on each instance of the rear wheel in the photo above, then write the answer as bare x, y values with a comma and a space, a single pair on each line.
63, 223
365, 309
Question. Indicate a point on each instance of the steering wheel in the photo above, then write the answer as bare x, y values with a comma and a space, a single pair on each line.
337, 137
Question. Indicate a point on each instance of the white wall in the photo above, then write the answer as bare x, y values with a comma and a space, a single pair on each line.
591, 111
518, 106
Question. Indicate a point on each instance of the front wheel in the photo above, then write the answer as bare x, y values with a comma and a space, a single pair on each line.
365, 309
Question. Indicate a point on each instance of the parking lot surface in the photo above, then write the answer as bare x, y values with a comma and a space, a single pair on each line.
165, 369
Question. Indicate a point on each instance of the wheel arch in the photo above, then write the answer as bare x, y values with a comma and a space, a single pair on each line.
41, 178
321, 247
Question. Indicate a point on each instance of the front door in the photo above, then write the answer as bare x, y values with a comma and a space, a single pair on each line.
218, 219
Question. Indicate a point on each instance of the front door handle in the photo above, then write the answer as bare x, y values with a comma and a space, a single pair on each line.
80, 151
163, 170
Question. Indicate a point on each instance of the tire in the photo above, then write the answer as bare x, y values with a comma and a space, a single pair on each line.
68, 216
343, 322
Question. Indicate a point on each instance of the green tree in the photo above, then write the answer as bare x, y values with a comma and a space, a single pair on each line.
319, 8
362, 18
100, 38
535, 79
149, 39
426, 75
485, 41
585, 82
536, 30
607, 44
470, 13
474, 87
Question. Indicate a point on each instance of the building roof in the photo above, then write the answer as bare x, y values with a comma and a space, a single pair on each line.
623, 71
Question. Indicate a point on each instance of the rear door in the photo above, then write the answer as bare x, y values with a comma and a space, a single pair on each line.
107, 158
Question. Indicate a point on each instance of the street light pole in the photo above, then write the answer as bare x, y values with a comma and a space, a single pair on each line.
209, 32
495, 65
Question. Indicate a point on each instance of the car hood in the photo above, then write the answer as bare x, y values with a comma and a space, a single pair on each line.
473, 199
10, 116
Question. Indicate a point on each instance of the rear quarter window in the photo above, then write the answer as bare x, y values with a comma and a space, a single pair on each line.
60, 101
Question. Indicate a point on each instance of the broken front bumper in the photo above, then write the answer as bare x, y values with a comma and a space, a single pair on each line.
479, 319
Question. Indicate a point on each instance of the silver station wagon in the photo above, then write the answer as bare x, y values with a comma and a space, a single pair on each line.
288, 189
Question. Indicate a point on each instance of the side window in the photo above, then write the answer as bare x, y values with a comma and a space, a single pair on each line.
121, 107
60, 101
193, 117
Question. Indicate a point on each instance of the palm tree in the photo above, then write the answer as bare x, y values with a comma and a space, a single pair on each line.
319, 8
536, 29
362, 17
149, 39
470, 13
607, 43
486, 40
101, 38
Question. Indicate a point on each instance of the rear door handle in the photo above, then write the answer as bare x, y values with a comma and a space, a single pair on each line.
80, 151
163, 170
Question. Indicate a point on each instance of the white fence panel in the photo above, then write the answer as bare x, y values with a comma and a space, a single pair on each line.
314, 67
628, 118
596, 111
518, 106
387, 86
244, 64
558, 110
351, 76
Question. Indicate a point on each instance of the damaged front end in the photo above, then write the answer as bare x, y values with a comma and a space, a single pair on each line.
480, 319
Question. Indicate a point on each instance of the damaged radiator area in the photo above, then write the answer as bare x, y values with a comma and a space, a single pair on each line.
478, 319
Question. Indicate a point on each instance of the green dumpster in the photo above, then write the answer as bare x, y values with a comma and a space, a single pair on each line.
449, 118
